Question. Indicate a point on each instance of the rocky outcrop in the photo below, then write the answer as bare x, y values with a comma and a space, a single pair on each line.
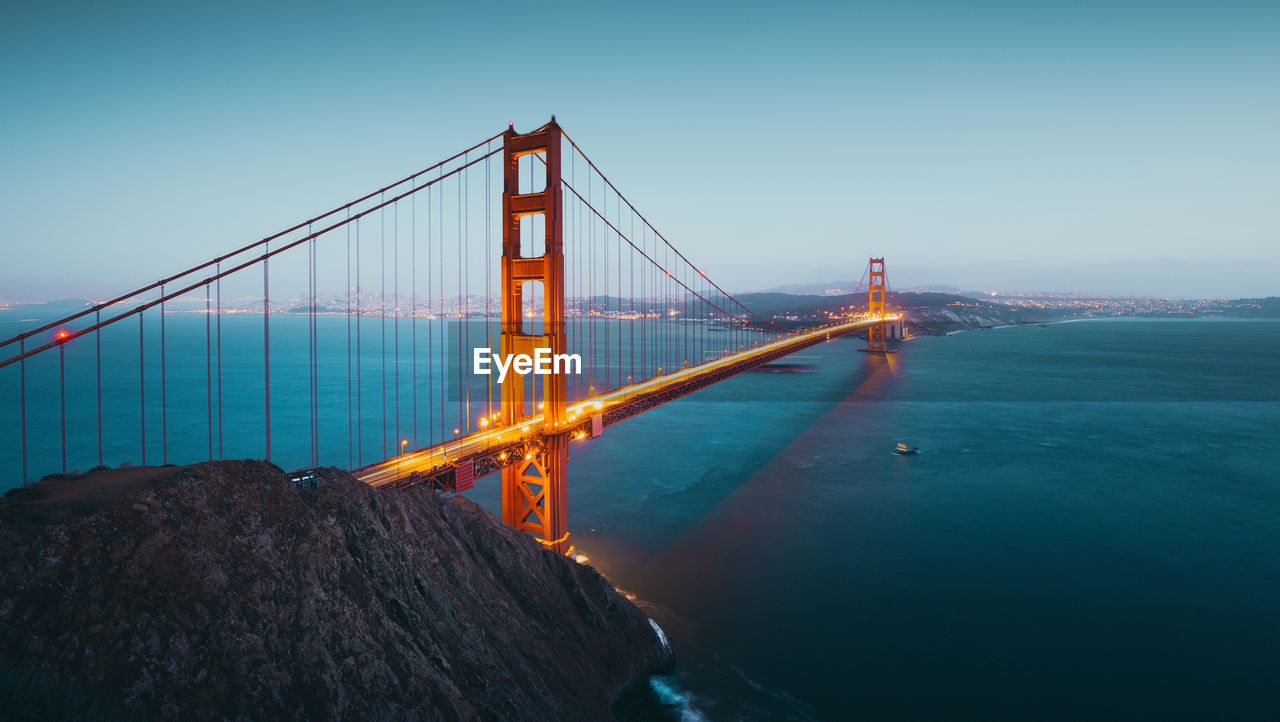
220, 590
944, 320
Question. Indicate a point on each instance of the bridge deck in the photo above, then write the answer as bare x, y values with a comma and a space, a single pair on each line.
491, 449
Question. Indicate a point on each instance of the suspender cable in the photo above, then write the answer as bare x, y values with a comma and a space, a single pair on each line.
395, 320
62, 400
350, 421
266, 349
413, 311
164, 403
579, 320
311, 422
359, 370
578, 252
631, 311
444, 329
571, 294
382, 318
97, 338
22, 394
315, 356
573, 324
461, 392
618, 319
466, 270
431, 410
311, 346
608, 382
582, 349
142, 392
218, 293
488, 283
591, 241
458, 308
208, 370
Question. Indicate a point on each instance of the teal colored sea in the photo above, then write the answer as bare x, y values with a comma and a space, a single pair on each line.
1090, 530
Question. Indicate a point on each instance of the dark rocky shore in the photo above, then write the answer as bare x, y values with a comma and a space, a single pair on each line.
220, 590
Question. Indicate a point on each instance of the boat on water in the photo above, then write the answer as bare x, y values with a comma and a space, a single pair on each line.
902, 450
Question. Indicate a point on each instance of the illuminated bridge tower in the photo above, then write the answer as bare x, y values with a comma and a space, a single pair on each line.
533, 489
875, 307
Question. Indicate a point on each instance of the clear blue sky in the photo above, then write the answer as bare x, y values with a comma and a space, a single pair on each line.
1094, 146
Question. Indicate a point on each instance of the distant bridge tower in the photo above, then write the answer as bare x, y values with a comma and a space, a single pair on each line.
875, 307
533, 490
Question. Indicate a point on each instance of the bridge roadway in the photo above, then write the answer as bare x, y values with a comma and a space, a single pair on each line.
490, 449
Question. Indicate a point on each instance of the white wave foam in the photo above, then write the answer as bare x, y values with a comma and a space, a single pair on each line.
670, 694
662, 636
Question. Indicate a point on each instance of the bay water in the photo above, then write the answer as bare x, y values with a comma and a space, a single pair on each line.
1090, 530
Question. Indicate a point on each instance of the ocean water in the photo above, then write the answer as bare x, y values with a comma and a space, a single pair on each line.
1091, 529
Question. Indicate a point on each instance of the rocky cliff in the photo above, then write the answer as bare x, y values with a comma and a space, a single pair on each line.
946, 319
220, 590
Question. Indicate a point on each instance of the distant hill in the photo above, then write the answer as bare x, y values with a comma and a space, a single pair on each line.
849, 286
1268, 307
786, 304
811, 289
927, 313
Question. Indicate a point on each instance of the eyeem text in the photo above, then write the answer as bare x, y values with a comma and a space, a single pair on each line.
542, 363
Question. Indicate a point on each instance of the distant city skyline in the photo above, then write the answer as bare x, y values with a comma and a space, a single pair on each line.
1102, 282
1113, 148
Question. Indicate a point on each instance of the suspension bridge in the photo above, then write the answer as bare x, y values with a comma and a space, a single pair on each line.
247, 354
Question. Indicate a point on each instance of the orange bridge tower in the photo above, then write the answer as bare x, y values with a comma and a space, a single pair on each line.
875, 307
533, 489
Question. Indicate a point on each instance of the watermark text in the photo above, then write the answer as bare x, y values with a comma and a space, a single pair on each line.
542, 363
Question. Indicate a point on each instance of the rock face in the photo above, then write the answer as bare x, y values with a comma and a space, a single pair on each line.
220, 590
940, 321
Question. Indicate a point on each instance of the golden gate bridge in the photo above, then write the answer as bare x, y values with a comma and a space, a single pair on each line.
579, 270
